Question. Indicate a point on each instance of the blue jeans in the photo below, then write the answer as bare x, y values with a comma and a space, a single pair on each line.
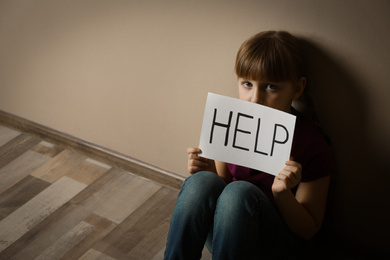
235, 221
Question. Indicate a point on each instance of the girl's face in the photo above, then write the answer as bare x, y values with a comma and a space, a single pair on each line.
278, 95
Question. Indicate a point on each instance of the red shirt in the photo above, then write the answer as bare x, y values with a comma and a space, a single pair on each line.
309, 148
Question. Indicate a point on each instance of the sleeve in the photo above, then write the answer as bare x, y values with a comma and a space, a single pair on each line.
318, 161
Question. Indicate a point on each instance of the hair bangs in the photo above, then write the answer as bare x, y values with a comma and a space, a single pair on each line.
267, 60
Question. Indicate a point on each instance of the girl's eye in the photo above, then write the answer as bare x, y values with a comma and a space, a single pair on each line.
271, 87
247, 84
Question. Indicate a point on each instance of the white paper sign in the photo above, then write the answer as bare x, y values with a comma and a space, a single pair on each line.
246, 134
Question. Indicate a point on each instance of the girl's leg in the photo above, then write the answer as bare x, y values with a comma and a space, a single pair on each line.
193, 216
247, 225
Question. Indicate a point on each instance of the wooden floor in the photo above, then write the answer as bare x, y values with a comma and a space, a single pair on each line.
57, 204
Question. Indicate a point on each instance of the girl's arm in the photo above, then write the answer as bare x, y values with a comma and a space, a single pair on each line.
223, 171
303, 213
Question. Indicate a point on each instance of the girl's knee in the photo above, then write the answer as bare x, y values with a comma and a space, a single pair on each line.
242, 189
202, 185
203, 180
240, 193
202, 176
237, 206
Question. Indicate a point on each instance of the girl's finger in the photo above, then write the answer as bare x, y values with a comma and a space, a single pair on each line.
193, 150
292, 169
283, 175
193, 156
197, 163
292, 173
293, 163
193, 169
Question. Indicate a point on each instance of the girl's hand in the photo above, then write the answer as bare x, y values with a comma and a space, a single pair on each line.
197, 163
288, 178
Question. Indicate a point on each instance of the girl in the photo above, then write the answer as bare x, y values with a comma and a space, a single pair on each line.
242, 213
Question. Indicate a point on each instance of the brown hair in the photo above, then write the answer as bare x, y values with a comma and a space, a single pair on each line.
270, 55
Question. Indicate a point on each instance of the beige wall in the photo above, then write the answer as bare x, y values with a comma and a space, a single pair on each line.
133, 76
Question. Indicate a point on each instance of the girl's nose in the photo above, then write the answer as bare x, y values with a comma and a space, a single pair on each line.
256, 97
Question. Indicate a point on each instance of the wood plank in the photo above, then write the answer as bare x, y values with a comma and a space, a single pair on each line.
152, 230
151, 244
67, 241
19, 168
59, 166
19, 194
68, 216
37, 209
141, 222
16, 147
88, 171
102, 228
127, 199
159, 255
206, 255
7, 134
47, 148
93, 254
102, 154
